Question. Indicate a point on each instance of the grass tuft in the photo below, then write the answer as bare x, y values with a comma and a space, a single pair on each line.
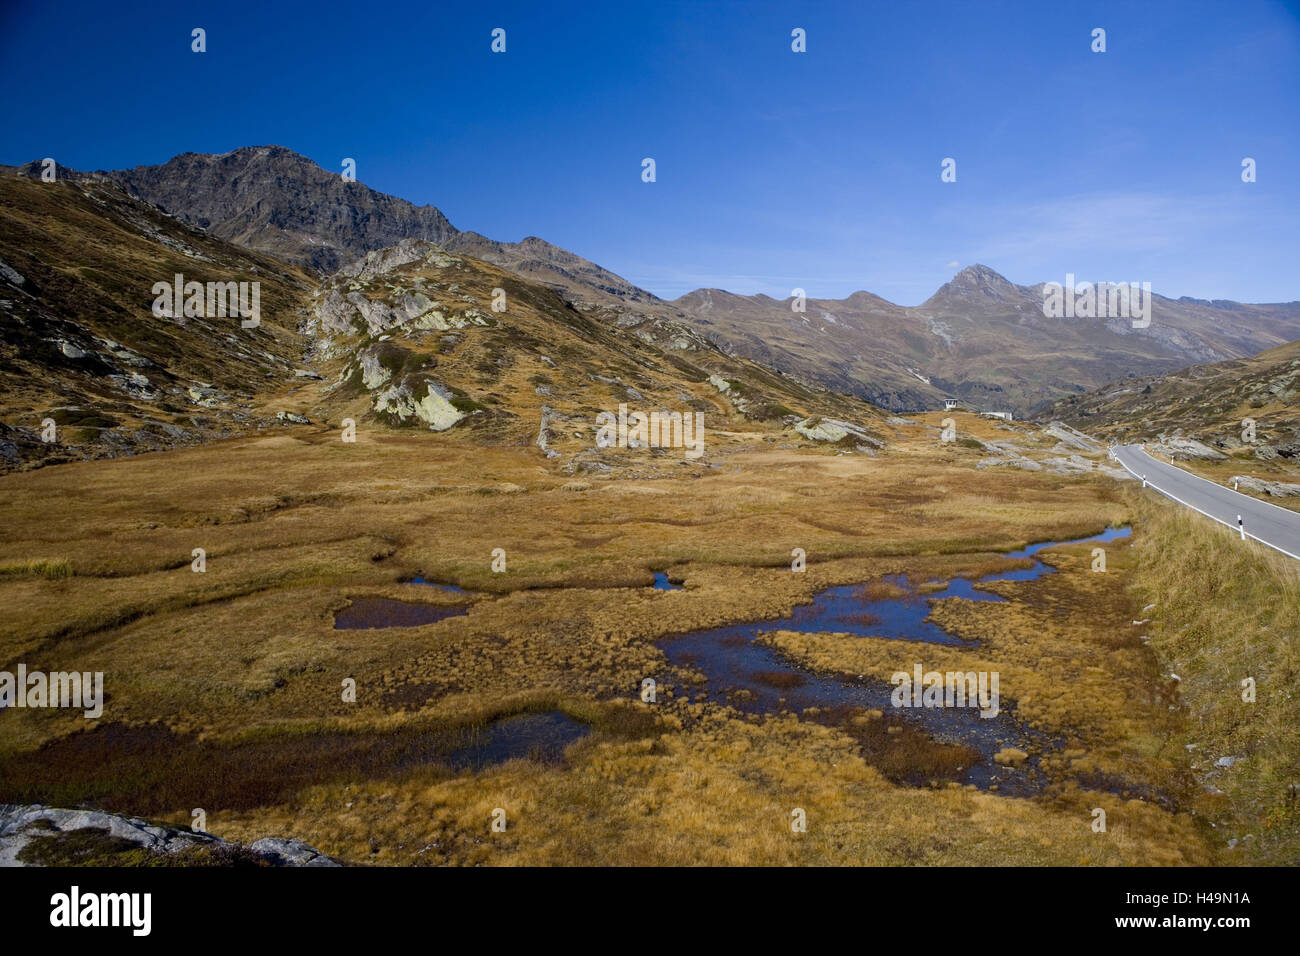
51, 568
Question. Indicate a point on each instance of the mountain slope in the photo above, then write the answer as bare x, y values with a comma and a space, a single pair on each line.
79, 343
404, 338
980, 337
1205, 402
408, 338
576, 278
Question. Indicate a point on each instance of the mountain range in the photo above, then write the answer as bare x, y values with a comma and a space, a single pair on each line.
275, 201
407, 336
980, 337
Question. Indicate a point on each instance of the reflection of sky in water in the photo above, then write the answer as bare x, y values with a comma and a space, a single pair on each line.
449, 588
732, 662
529, 736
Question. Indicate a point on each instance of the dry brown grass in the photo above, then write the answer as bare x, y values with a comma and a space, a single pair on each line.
294, 527
1069, 660
51, 568
1226, 611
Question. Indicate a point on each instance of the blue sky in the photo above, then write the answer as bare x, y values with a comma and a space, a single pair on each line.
774, 169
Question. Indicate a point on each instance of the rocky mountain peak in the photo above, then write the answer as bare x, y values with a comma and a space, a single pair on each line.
275, 200
978, 282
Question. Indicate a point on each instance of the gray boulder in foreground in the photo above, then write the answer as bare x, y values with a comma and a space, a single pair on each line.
20, 825
290, 852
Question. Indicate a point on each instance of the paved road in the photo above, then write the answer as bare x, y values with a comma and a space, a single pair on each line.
1266, 523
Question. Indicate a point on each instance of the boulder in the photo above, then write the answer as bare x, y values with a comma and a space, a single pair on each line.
1274, 489
833, 429
435, 408
1185, 449
1026, 464
1071, 437
20, 825
290, 852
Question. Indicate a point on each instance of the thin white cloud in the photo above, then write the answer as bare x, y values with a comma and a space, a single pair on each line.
1135, 222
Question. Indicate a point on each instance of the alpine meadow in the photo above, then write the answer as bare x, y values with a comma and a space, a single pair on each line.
907, 486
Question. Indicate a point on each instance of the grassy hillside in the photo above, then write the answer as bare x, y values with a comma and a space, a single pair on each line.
1206, 402
79, 343
1225, 612
408, 338
1209, 405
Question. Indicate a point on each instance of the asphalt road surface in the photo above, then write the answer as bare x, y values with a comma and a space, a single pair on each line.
1268, 524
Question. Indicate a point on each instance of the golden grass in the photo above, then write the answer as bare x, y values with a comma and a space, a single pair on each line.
51, 568
1227, 611
295, 527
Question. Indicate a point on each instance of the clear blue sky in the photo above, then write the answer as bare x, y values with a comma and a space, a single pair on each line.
775, 169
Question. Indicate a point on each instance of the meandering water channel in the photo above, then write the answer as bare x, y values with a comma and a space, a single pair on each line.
755, 678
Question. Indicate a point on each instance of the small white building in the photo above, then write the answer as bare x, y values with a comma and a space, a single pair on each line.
1005, 416
949, 404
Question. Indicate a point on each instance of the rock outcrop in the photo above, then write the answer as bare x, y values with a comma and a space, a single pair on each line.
22, 826
1274, 489
1184, 449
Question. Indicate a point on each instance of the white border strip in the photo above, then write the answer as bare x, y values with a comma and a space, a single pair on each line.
1185, 504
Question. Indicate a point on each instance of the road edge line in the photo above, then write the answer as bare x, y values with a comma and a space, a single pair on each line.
1185, 504
1189, 474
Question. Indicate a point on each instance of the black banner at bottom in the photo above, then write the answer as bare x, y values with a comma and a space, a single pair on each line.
217, 905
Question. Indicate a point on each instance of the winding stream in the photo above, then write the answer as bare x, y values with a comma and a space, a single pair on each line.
756, 679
